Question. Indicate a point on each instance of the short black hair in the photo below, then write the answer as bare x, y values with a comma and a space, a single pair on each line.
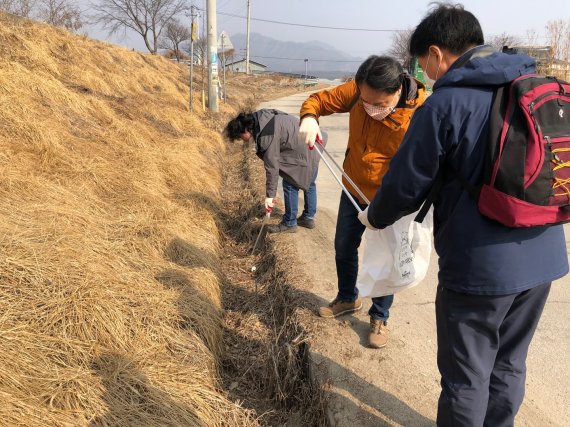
382, 73
244, 122
448, 26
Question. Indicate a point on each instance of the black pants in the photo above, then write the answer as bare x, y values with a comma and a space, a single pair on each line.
482, 348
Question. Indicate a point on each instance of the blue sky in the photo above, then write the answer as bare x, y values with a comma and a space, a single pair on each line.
514, 17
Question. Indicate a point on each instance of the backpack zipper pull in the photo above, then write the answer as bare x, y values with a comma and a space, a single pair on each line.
531, 111
549, 145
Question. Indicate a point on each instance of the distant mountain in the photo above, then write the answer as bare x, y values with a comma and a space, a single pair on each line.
324, 60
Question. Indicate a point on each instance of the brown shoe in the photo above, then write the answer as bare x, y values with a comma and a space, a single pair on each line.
378, 336
338, 307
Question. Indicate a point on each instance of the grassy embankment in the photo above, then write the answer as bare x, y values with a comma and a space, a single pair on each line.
110, 302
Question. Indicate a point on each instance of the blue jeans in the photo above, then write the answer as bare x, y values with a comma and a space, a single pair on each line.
291, 199
347, 239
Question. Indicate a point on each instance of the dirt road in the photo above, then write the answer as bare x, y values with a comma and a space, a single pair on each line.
399, 385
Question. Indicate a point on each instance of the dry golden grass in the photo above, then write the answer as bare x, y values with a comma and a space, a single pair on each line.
266, 356
110, 309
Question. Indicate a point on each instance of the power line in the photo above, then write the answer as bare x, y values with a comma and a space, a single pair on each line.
307, 25
302, 59
221, 6
233, 15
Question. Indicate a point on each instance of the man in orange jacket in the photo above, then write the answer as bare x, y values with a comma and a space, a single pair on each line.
381, 101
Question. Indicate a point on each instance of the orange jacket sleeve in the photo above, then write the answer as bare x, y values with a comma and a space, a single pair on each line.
337, 100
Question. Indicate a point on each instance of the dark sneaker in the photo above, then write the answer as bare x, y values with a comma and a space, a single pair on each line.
338, 307
378, 336
282, 228
303, 221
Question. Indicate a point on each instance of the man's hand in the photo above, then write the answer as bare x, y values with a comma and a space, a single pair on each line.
308, 131
363, 217
268, 204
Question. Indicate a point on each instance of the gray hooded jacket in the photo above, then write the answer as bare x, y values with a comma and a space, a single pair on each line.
276, 136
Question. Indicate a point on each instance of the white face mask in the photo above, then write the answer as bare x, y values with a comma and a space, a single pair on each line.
380, 113
428, 80
377, 113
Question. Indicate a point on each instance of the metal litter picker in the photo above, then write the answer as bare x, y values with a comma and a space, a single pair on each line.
395, 258
263, 224
321, 150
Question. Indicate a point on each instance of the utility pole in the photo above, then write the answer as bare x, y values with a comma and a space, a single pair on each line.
204, 48
247, 70
306, 71
212, 57
193, 34
223, 68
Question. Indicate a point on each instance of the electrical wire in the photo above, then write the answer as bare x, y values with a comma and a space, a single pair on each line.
303, 59
309, 26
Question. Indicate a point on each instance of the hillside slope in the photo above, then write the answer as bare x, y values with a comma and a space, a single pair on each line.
109, 292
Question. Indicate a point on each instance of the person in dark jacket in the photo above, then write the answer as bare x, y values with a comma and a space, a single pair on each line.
493, 280
277, 143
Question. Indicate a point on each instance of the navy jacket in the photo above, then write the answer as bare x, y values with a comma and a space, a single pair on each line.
476, 254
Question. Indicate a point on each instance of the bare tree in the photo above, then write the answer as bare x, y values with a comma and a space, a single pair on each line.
532, 40
504, 39
7, 6
25, 7
532, 37
146, 17
229, 57
558, 34
60, 13
401, 47
200, 49
173, 36
18, 7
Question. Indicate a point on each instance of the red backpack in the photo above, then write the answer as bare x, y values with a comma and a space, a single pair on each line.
526, 178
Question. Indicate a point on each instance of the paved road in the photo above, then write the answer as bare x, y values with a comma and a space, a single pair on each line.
399, 385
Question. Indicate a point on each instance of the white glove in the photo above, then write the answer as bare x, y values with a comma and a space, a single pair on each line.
308, 131
268, 204
363, 217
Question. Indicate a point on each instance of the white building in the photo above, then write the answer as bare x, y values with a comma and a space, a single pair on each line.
239, 67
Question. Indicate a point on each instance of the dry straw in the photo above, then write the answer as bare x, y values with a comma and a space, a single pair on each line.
109, 284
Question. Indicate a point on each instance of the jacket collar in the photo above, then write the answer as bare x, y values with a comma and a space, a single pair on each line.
477, 52
413, 93
409, 91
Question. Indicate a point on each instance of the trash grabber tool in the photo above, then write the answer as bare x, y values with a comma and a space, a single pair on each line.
321, 149
263, 224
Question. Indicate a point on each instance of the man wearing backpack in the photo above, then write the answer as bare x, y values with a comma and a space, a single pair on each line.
493, 280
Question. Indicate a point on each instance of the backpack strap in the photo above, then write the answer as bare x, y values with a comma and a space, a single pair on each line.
432, 195
447, 171
497, 120
472, 190
497, 117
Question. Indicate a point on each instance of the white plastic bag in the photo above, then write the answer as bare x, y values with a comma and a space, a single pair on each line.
395, 258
